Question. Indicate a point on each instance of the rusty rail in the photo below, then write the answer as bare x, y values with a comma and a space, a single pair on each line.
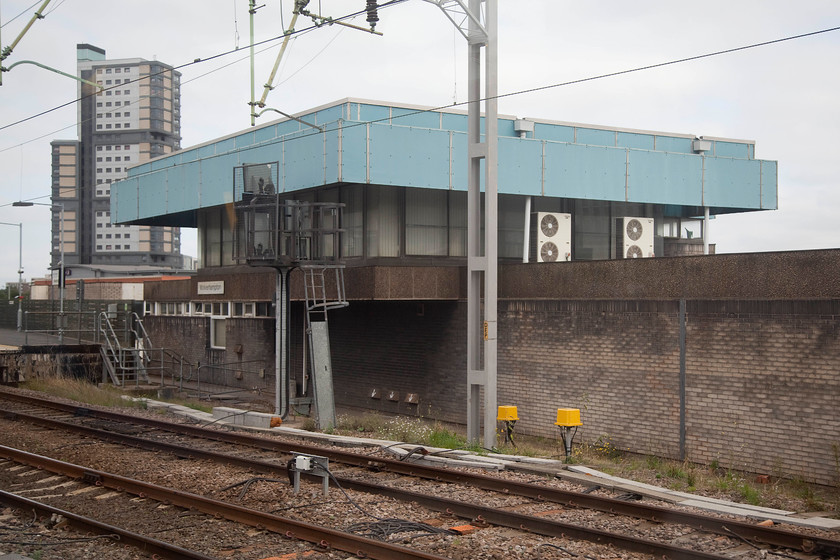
727, 527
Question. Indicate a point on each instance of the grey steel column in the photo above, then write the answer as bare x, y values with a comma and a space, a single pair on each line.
491, 220
475, 263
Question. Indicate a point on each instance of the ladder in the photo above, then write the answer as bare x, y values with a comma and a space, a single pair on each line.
320, 300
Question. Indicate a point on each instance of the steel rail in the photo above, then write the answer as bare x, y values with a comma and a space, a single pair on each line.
321, 536
760, 535
337, 539
88, 525
490, 515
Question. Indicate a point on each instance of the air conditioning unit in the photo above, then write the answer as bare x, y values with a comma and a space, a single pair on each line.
634, 237
551, 237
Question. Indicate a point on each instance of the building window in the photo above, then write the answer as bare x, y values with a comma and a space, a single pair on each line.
218, 336
99, 127
127, 114
117, 115
107, 82
99, 247
99, 159
117, 70
127, 158
99, 148
118, 125
126, 91
98, 115
383, 223
108, 158
107, 70
425, 222
99, 104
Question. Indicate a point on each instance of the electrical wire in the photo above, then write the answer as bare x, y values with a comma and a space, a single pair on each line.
20, 14
198, 61
346, 125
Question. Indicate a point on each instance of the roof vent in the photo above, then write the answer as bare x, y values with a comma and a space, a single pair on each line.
699, 145
523, 126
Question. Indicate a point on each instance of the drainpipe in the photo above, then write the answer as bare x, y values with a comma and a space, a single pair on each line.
526, 244
706, 231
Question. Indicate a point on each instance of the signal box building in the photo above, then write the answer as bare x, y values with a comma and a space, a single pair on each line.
597, 285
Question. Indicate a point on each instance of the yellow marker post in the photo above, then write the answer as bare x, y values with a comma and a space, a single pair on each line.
568, 418
508, 415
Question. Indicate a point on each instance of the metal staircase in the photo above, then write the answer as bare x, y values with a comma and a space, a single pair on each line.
125, 356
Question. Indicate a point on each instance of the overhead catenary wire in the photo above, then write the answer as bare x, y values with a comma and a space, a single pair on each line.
346, 125
20, 14
503, 95
201, 60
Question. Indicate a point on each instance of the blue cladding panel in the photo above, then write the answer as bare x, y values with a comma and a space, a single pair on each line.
595, 137
506, 128
244, 140
421, 157
411, 157
633, 140
554, 133
673, 144
455, 122
331, 157
206, 151
266, 133
459, 161
353, 158
328, 115
657, 176
374, 113
225, 145
733, 183
769, 185
731, 149
153, 195
520, 166
124, 200
415, 117
304, 162
591, 172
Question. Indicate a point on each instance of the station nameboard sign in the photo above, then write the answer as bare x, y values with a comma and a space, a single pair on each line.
216, 287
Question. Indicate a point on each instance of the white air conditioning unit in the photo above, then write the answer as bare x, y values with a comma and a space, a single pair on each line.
551, 237
634, 237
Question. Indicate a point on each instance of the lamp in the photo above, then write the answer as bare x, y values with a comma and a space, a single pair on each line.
26, 203
20, 271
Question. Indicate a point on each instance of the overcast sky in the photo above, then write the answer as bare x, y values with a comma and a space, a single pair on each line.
785, 96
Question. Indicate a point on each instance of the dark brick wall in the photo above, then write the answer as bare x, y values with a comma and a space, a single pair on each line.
402, 347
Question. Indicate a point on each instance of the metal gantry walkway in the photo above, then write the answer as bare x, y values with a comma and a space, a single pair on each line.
288, 234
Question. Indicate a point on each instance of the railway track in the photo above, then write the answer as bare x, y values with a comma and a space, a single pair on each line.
160, 437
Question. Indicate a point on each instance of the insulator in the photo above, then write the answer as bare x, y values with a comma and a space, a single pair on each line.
372, 16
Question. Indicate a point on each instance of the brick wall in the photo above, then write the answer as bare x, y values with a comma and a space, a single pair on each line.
401, 347
762, 389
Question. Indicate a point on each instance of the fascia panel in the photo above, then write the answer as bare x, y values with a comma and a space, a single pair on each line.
353, 153
596, 137
303, 165
769, 185
660, 176
520, 166
732, 183
410, 157
590, 172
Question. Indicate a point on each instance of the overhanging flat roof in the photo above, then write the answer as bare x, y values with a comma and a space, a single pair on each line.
370, 142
